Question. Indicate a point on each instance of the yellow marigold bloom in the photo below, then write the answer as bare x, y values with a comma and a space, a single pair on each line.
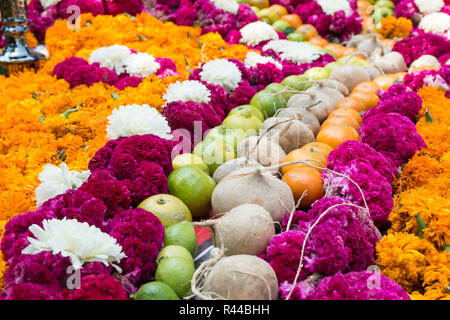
392, 27
403, 258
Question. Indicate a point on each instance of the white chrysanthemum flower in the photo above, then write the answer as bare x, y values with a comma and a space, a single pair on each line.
141, 65
256, 32
56, 181
113, 57
437, 23
429, 6
297, 52
330, 7
231, 6
79, 241
253, 58
48, 3
222, 72
189, 90
134, 119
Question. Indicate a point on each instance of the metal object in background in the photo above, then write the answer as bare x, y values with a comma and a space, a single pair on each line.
16, 55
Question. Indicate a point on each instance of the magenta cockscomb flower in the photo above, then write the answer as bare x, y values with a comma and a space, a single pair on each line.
115, 7
129, 81
141, 235
407, 104
263, 74
16, 231
185, 14
30, 291
376, 189
79, 205
113, 192
355, 152
438, 78
85, 6
139, 148
421, 43
242, 94
98, 287
392, 134
40, 19
406, 8
344, 239
362, 285
185, 115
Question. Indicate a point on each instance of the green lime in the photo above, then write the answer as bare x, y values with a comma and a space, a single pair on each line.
182, 234
172, 251
189, 159
177, 273
156, 290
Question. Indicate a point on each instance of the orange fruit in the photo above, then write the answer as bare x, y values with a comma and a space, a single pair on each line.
384, 81
369, 100
337, 49
313, 158
339, 120
347, 112
367, 87
308, 30
351, 103
349, 51
318, 41
306, 180
319, 147
293, 19
335, 135
279, 9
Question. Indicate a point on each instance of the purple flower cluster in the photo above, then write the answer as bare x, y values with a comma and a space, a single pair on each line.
376, 190
354, 152
338, 26
350, 286
141, 235
406, 8
343, 240
397, 99
416, 80
392, 134
421, 43
184, 115
98, 287
141, 163
116, 7
77, 71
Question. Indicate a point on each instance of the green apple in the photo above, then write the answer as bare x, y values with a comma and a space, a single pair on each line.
281, 25
194, 187
268, 102
248, 107
167, 208
189, 159
332, 66
268, 15
245, 121
329, 52
385, 4
297, 82
214, 152
230, 135
381, 13
279, 89
317, 73
297, 37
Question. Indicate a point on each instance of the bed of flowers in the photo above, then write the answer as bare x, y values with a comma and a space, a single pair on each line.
93, 135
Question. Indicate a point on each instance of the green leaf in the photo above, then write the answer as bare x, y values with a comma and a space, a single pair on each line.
115, 96
428, 117
447, 248
144, 38
421, 225
130, 16
88, 24
41, 119
361, 113
68, 112
61, 154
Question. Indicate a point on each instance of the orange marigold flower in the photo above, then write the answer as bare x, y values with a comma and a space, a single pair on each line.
392, 27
